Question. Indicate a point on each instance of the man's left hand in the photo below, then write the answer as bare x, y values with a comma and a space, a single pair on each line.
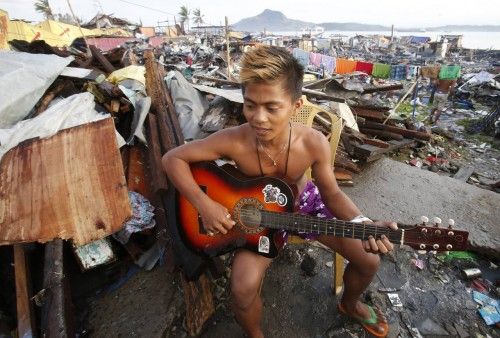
381, 245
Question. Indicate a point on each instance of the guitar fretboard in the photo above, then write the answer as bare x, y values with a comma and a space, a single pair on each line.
301, 223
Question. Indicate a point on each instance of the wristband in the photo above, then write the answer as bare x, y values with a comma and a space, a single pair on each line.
360, 219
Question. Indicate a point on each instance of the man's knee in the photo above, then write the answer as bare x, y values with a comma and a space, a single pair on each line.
244, 293
368, 265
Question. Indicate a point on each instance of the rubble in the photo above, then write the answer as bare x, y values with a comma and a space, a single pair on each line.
149, 94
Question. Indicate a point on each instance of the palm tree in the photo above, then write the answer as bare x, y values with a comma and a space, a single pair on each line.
43, 6
198, 17
184, 13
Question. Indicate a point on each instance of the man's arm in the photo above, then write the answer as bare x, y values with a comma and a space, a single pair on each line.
176, 165
334, 198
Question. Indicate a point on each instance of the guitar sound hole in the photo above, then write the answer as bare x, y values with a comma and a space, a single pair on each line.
248, 215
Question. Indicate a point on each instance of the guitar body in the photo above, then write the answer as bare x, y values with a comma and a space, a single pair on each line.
240, 195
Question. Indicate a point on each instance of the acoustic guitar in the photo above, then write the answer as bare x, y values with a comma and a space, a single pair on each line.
261, 206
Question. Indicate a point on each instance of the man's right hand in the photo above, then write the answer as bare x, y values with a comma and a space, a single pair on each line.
216, 218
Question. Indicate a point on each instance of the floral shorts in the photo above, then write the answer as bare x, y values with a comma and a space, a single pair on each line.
310, 203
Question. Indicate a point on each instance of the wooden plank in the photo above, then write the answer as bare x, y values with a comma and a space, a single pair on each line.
199, 303
464, 173
158, 177
382, 88
320, 95
57, 316
108, 67
166, 135
343, 161
25, 316
377, 143
136, 173
54, 91
405, 132
162, 105
69, 186
173, 120
382, 134
370, 114
342, 174
370, 153
338, 274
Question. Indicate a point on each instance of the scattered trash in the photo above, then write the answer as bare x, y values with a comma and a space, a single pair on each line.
419, 264
471, 273
490, 310
394, 299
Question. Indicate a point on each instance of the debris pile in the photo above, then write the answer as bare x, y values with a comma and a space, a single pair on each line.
85, 127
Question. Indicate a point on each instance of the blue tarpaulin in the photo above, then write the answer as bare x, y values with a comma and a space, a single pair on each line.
419, 39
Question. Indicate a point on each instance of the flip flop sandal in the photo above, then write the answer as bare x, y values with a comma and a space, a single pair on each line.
369, 324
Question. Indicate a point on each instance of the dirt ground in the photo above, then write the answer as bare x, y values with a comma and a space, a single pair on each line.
436, 300
150, 304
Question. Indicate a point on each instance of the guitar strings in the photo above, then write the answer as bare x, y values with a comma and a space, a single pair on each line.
344, 227
340, 226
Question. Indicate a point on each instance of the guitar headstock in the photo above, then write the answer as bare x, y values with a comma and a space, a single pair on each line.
425, 236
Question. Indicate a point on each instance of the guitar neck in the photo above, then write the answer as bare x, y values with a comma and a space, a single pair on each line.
297, 223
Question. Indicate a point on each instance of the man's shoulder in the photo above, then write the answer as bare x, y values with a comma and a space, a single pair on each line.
308, 134
234, 135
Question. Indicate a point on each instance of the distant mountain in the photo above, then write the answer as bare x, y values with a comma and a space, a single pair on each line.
271, 21
276, 21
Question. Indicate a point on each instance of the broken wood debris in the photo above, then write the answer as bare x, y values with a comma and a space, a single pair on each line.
25, 315
57, 316
91, 201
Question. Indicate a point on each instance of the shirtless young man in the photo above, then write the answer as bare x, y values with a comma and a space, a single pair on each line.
270, 144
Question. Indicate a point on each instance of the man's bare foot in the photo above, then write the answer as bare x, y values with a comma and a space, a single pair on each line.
372, 319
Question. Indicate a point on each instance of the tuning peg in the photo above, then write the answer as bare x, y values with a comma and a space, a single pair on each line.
424, 220
437, 221
451, 223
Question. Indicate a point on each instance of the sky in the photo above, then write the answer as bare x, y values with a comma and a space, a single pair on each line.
402, 13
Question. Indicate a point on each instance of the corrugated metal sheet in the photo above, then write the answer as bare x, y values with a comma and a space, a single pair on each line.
106, 44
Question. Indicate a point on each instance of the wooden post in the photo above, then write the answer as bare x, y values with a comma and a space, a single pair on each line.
199, 303
56, 302
25, 318
227, 50
77, 23
338, 274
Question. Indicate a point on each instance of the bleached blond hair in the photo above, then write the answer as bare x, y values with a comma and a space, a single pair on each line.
270, 63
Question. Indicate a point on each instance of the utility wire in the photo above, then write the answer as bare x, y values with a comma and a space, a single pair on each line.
153, 9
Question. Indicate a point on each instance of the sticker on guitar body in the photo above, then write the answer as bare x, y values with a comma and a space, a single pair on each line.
264, 244
274, 195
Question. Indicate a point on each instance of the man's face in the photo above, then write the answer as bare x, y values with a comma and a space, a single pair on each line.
268, 108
